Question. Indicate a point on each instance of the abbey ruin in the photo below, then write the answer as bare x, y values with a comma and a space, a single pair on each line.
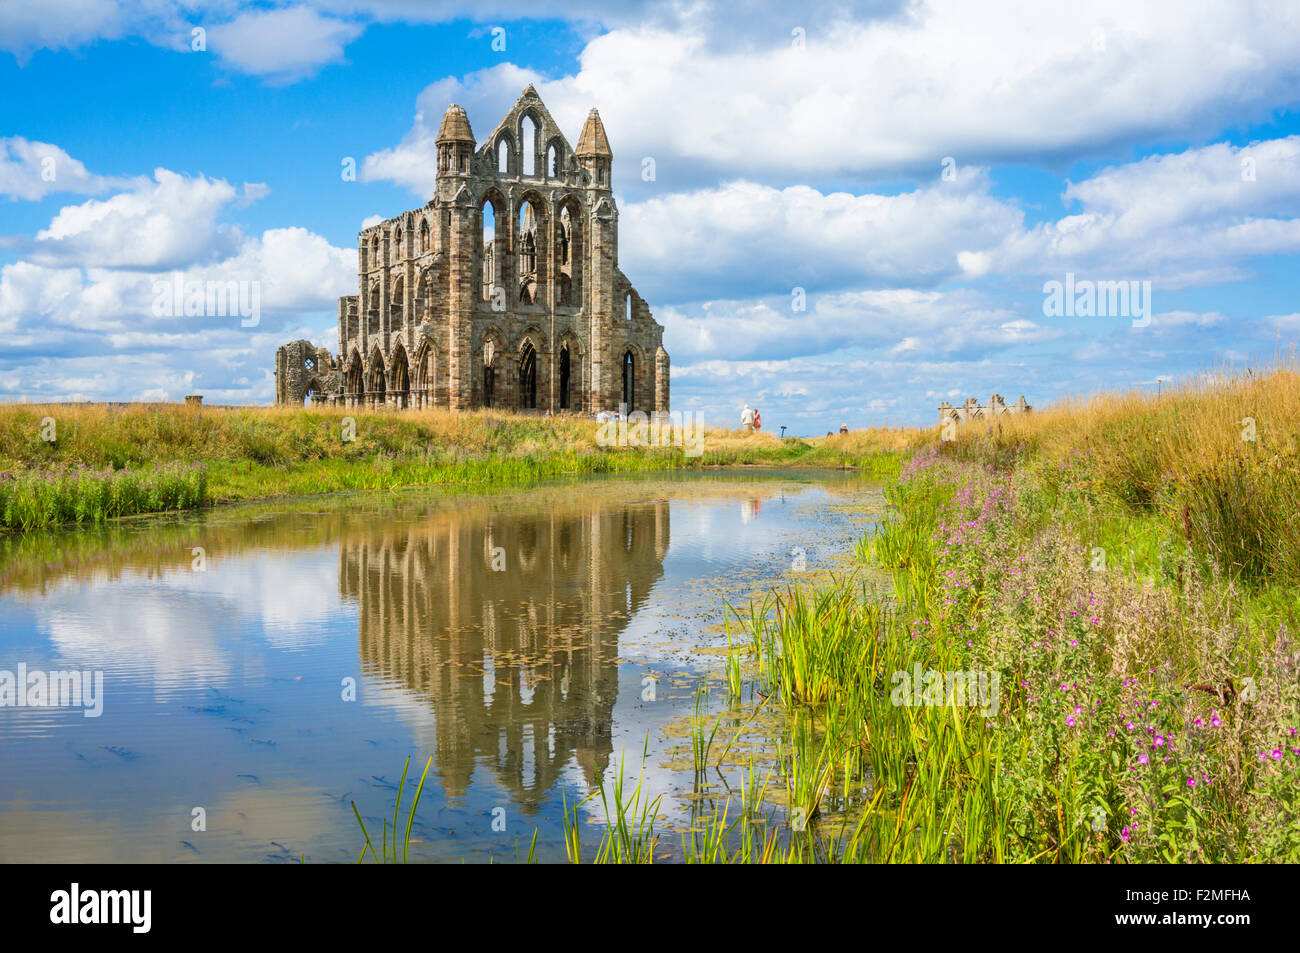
504, 290
972, 409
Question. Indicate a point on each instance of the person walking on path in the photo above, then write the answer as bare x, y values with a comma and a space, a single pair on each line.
747, 419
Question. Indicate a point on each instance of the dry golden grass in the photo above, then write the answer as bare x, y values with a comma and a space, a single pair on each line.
1218, 456
1208, 417
135, 435
1134, 436
877, 440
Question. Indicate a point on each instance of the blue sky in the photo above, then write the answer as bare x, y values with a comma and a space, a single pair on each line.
792, 149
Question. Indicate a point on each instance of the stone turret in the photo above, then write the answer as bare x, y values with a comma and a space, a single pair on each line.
593, 149
455, 142
455, 126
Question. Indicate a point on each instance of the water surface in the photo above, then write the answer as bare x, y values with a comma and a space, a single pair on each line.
271, 664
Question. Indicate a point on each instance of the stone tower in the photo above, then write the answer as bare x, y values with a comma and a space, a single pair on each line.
504, 290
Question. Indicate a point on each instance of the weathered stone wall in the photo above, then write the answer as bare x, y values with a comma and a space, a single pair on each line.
537, 317
302, 369
972, 409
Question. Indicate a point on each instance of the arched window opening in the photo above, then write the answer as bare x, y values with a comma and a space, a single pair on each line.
553, 162
420, 372
627, 307
372, 318
489, 373
397, 243
395, 309
491, 265
568, 255
400, 379
503, 156
528, 378
629, 376
528, 147
564, 378
423, 302
529, 240
424, 236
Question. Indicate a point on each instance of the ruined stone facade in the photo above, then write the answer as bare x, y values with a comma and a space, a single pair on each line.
971, 409
502, 291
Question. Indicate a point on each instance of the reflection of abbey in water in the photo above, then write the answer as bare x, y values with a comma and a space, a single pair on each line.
519, 664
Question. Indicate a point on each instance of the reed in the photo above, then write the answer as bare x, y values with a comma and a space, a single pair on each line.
31, 500
389, 849
629, 822
702, 744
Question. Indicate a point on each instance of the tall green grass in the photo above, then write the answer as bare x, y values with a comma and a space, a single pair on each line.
32, 500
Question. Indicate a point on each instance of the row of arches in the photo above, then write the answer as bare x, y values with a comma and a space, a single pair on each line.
413, 239
527, 379
526, 248
523, 157
397, 382
427, 283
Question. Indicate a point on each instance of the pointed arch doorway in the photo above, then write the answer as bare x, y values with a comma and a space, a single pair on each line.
528, 378
629, 380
